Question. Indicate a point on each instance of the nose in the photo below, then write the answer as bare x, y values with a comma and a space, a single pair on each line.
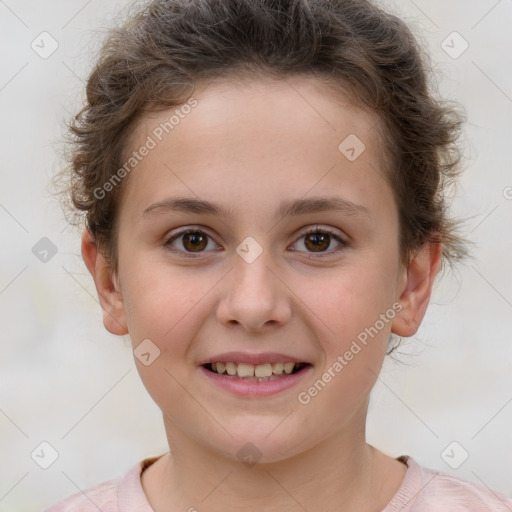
254, 296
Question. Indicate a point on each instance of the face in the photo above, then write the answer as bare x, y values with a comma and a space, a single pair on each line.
249, 278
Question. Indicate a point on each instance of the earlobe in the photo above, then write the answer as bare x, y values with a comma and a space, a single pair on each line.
415, 295
107, 286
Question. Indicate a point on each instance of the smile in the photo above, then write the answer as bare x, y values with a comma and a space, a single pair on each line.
254, 381
260, 373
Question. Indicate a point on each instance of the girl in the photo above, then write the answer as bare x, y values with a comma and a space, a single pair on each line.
263, 183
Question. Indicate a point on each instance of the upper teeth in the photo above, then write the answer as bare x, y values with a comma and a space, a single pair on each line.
250, 370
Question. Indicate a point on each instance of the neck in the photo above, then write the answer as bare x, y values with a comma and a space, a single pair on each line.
340, 473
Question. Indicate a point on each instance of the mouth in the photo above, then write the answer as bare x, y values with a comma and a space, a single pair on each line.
256, 373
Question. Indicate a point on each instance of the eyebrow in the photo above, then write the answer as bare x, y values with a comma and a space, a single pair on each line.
287, 208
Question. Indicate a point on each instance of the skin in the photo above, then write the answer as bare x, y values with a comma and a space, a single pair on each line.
249, 146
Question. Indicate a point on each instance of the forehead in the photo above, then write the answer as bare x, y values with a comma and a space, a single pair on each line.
267, 135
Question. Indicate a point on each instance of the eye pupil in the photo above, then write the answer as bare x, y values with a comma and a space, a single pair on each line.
196, 239
318, 240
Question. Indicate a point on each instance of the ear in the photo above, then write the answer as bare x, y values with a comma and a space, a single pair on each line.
417, 285
108, 289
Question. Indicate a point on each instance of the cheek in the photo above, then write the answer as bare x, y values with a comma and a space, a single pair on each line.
163, 305
168, 305
346, 302
159, 300
346, 311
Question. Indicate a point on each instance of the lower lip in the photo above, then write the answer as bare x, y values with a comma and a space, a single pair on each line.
253, 388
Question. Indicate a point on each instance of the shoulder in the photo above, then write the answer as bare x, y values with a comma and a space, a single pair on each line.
428, 490
115, 495
102, 496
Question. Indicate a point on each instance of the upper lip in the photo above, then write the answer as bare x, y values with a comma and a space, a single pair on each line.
252, 358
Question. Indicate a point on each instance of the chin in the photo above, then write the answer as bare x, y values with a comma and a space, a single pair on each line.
259, 441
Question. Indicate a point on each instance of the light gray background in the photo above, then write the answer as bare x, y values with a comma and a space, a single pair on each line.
65, 380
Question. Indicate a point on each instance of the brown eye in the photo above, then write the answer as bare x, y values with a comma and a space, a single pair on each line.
192, 241
319, 240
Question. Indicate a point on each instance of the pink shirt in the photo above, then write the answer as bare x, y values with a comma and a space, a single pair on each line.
423, 490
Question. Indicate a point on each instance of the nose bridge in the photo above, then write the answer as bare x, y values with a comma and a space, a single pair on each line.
254, 296
256, 277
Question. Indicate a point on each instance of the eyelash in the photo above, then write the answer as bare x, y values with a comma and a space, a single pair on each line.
311, 231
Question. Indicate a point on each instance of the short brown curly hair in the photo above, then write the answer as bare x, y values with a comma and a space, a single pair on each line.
154, 60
